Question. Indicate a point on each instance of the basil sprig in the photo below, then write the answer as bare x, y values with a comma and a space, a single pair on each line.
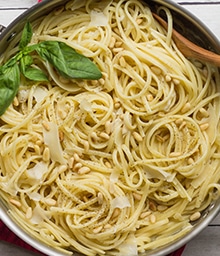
68, 63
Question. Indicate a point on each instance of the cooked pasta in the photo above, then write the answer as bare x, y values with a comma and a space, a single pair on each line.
119, 165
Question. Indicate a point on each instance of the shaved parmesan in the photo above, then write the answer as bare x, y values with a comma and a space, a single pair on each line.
51, 139
39, 215
117, 131
34, 196
120, 202
114, 176
158, 174
128, 247
98, 19
40, 93
85, 106
23, 95
38, 171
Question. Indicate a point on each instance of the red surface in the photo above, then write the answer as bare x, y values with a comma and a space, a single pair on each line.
8, 236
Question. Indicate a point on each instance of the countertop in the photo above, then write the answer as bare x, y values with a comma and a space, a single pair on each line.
208, 241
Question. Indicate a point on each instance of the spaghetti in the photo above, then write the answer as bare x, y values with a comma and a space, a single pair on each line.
123, 164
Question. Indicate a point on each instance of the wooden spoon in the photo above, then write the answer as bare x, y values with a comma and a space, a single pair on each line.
190, 49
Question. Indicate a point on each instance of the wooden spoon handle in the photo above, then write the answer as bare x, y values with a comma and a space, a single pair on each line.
188, 48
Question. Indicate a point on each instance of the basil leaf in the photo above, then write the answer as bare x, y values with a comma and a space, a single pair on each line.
9, 83
67, 61
29, 72
11, 62
35, 74
26, 36
25, 61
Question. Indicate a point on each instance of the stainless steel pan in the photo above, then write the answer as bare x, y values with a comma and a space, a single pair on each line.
186, 24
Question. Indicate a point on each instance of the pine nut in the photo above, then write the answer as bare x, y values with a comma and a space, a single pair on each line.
15, 102
97, 229
77, 166
152, 218
46, 154
118, 44
39, 142
195, 216
102, 81
108, 127
186, 107
121, 117
156, 70
204, 126
62, 114
145, 214
150, 97
94, 82
107, 226
61, 136
104, 135
85, 199
76, 157
176, 81
175, 154
168, 78
15, 202
50, 201
122, 62
137, 137
62, 168
117, 50
94, 136
29, 213
71, 162
139, 21
86, 146
37, 149
137, 196
190, 161
179, 121
152, 206
117, 105
161, 208
84, 170
46, 126
182, 125
204, 112
108, 165
100, 198
115, 213
112, 42
112, 188
116, 30
161, 114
